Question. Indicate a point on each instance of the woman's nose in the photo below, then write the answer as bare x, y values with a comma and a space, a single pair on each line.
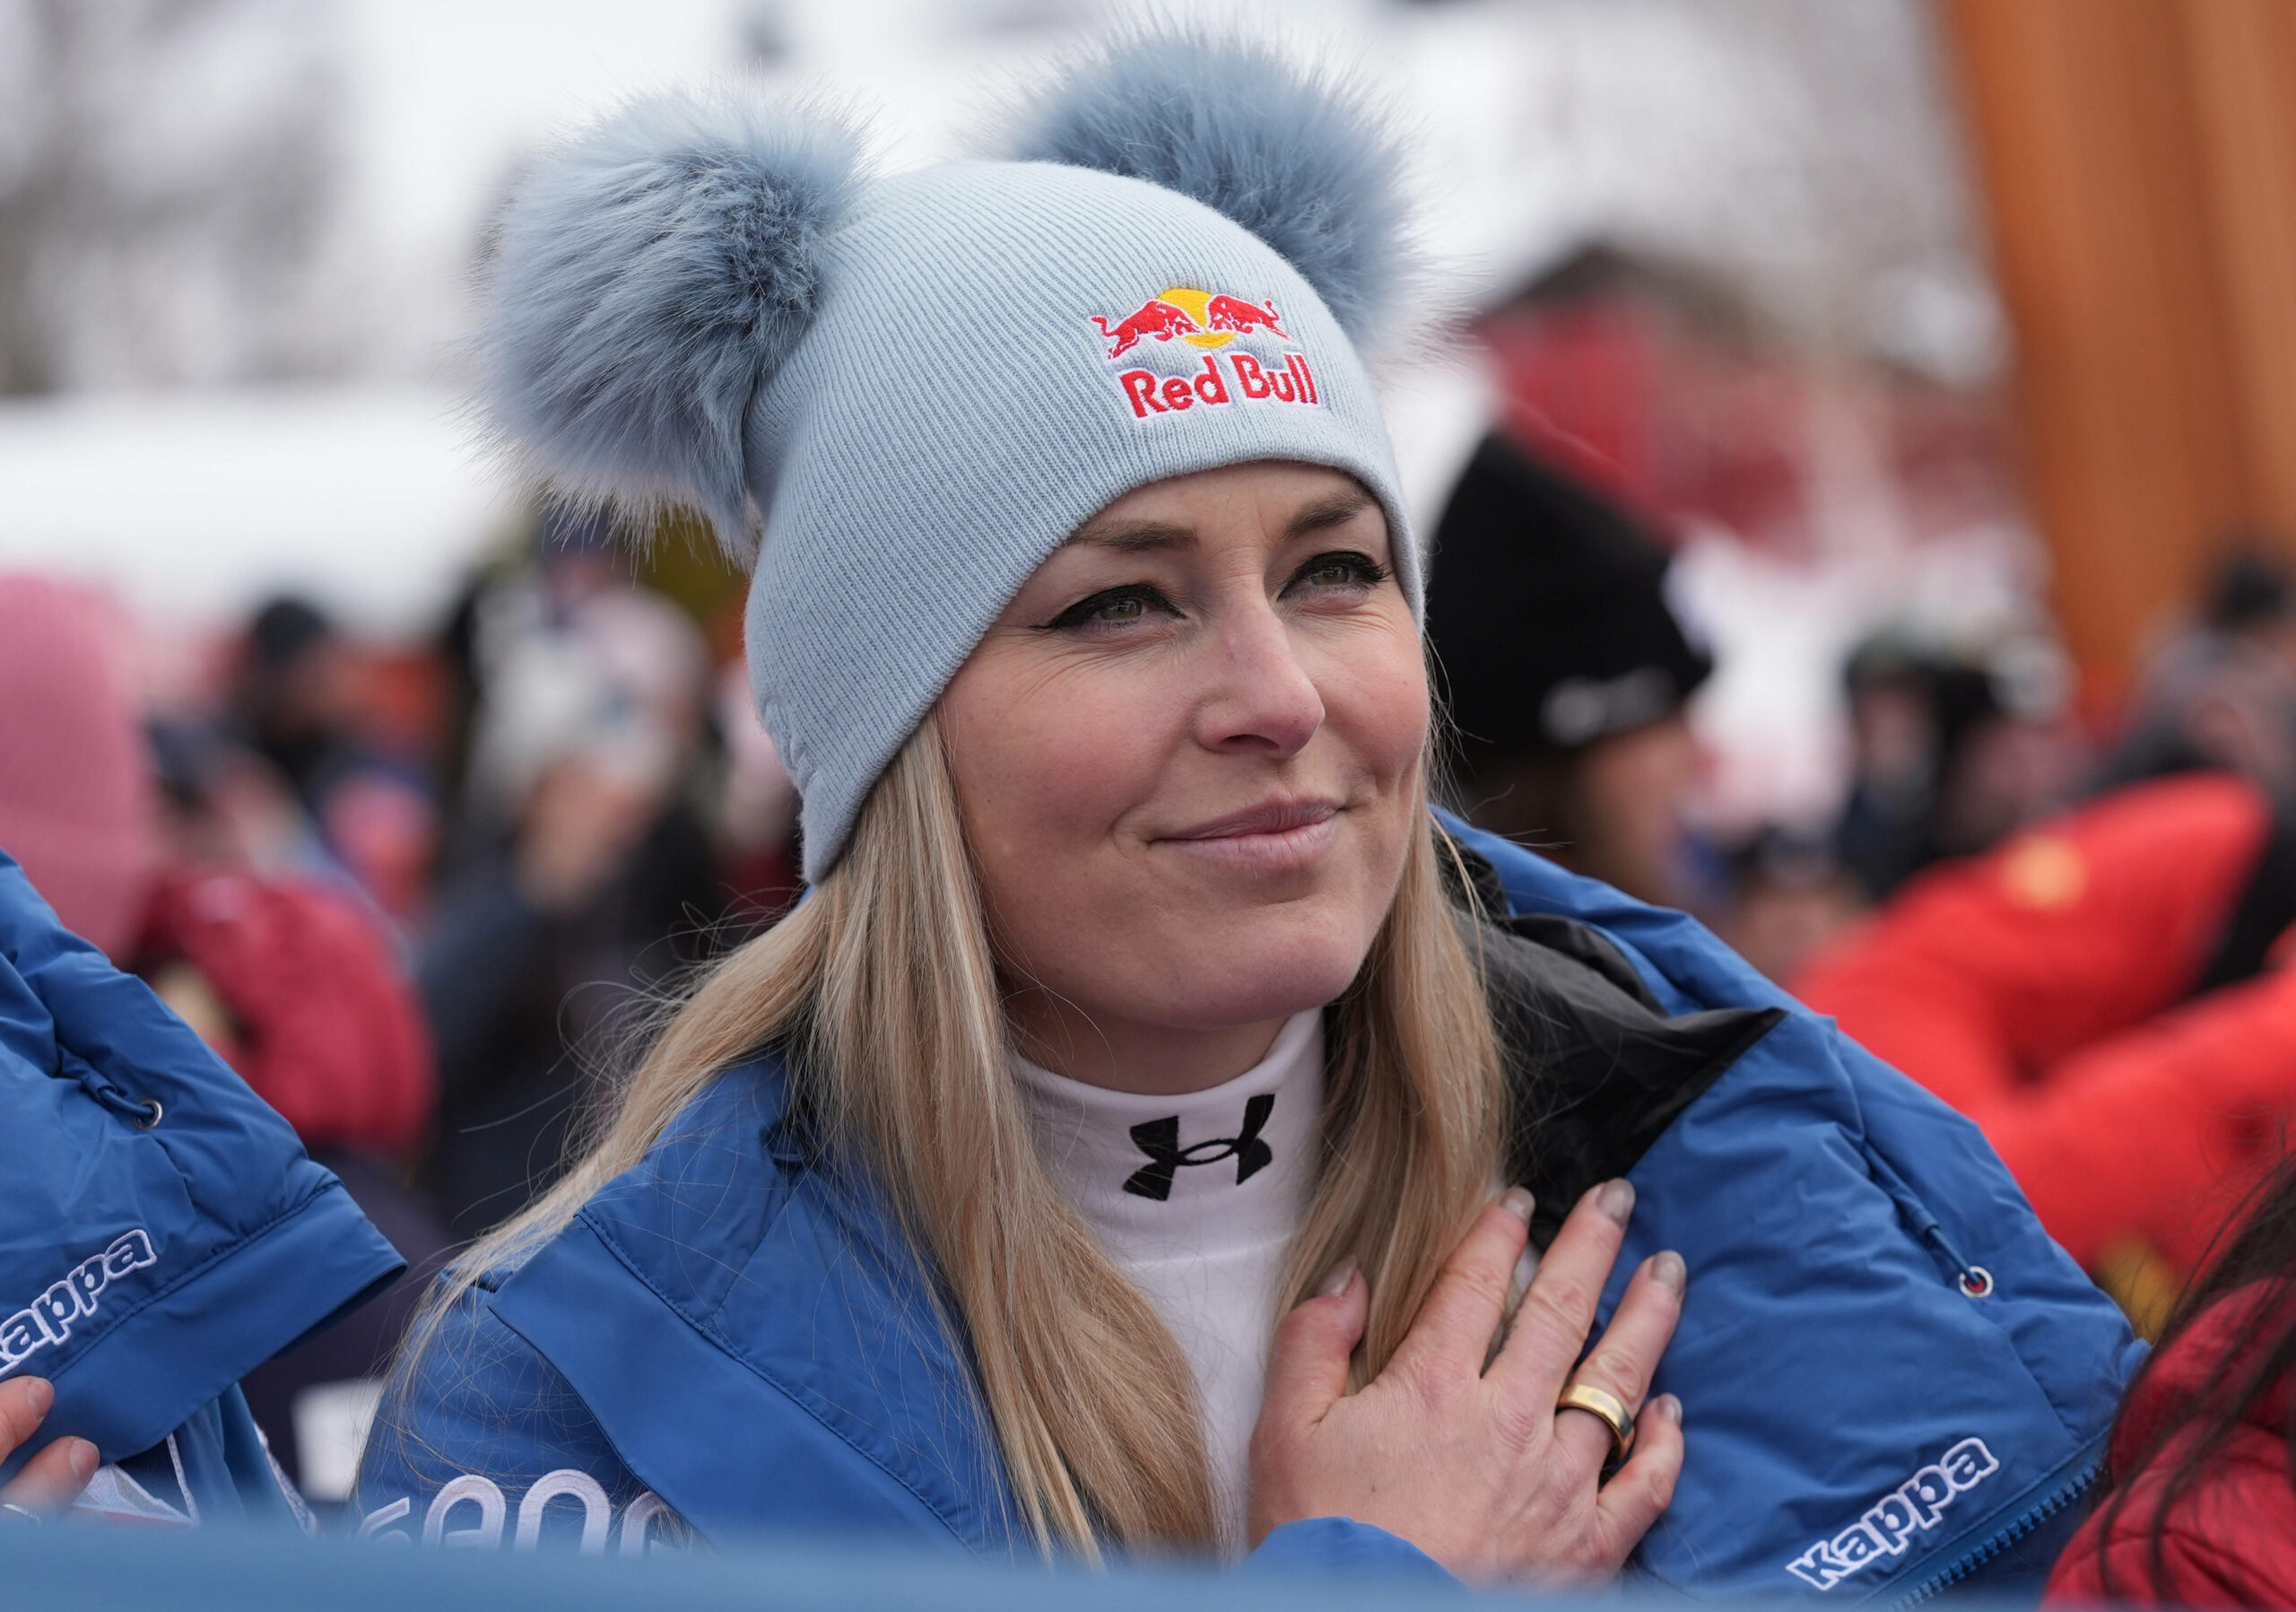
1261, 698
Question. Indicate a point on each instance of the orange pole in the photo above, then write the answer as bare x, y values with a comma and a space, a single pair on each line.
2138, 161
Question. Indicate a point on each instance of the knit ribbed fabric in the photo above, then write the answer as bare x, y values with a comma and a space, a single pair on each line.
954, 414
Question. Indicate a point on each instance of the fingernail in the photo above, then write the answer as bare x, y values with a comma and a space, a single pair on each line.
40, 1395
1615, 1199
82, 1456
1340, 1279
1670, 1407
1667, 1269
1517, 1201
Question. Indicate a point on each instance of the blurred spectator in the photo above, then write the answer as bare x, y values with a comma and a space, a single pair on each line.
1954, 748
292, 699
1789, 896
2099, 995
2222, 694
75, 797
223, 806
1565, 674
2199, 1504
288, 979
585, 866
295, 702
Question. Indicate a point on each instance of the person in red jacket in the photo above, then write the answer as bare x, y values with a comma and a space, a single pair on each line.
2199, 1507
298, 989
2097, 995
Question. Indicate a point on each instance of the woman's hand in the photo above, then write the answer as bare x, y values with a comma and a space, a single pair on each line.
1477, 1467
52, 1479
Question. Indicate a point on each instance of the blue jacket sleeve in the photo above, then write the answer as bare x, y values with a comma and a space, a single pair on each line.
480, 1441
160, 1224
1335, 1547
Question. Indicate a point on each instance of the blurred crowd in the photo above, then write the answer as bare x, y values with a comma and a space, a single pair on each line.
420, 898
427, 899
2068, 923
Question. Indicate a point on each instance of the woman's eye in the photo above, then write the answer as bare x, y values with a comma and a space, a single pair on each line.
1340, 571
1115, 607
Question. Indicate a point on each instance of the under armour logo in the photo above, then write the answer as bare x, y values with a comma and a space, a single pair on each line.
1160, 1140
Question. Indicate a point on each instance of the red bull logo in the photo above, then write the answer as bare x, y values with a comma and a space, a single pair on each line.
1236, 315
1209, 320
1156, 318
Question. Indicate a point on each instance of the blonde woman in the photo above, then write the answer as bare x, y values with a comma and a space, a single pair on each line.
1131, 1144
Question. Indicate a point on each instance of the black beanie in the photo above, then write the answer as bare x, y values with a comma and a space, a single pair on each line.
1546, 609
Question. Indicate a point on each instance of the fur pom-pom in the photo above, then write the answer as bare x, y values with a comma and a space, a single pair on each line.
1296, 158
647, 278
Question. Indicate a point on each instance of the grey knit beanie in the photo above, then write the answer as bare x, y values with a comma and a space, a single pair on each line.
894, 397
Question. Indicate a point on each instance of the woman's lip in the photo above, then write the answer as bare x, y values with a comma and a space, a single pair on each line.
1274, 817
1277, 837
1261, 844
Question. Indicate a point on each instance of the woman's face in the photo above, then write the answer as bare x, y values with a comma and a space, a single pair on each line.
1187, 757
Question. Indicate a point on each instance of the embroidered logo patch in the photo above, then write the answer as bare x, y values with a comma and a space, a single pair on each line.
1891, 1523
1208, 320
1160, 1140
50, 1318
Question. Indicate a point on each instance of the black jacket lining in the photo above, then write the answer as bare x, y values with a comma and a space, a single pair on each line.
1596, 1069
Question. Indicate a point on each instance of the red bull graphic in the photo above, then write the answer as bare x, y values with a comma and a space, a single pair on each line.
1211, 321
1235, 314
1156, 318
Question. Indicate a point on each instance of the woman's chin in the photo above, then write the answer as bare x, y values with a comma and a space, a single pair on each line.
1242, 979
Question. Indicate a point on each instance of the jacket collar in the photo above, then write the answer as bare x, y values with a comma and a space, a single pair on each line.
1596, 1069
748, 1281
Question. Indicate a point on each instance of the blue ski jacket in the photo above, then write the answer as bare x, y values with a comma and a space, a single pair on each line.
161, 1231
1892, 1381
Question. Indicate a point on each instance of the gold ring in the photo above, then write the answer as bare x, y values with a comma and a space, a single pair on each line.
1605, 1408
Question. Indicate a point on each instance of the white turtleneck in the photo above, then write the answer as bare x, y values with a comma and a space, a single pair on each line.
1204, 1247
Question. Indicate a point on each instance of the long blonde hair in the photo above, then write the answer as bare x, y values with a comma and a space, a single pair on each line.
884, 989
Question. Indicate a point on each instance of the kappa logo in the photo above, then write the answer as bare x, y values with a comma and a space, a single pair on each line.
1209, 320
1891, 1523
50, 1318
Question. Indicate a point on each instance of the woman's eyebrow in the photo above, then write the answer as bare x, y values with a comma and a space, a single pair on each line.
1325, 513
1135, 536
1149, 537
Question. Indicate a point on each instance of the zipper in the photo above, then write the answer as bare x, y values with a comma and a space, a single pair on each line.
2066, 1494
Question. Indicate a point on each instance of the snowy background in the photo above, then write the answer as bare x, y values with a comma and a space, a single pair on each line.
236, 238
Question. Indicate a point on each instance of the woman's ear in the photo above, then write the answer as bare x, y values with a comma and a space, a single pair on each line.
1299, 158
647, 280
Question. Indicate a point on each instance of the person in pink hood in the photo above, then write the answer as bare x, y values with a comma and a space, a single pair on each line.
291, 983
76, 806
